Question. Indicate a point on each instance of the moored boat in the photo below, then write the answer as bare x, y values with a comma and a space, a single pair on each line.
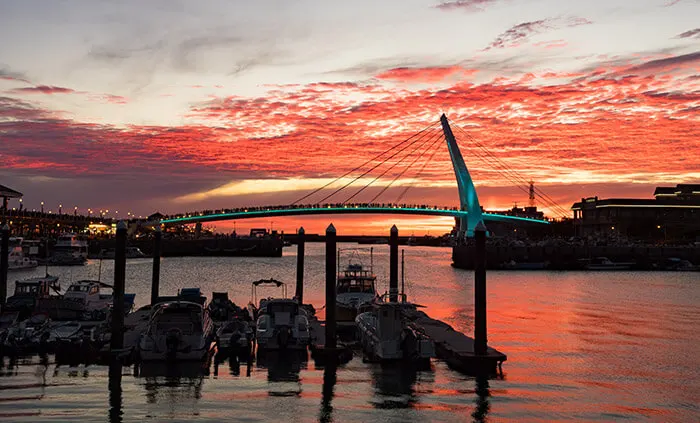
70, 249
16, 258
355, 290
604, 263
385, 336
280, 324
180, 330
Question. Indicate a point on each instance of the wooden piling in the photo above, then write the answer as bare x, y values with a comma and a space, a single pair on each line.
330, 287
480, 339
155, 281
117, 341
394, 264
300, 265
4, 261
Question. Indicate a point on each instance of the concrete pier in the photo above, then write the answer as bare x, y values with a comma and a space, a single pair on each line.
155, 281
330, 287
480, 339
117, 340
394, 264
4, 263
300, 266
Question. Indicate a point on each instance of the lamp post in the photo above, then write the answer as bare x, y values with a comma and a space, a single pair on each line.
42, 206
75, 211
60, 207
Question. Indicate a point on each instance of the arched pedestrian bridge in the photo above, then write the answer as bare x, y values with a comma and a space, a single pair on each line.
293, 210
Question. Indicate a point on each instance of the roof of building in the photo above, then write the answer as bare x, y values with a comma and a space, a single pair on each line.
640, 202
9, 192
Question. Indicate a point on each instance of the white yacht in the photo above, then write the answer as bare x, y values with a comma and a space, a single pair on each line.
90, 294
69, 250
179, 330
384, 335
281, 325
355, 290
16, 258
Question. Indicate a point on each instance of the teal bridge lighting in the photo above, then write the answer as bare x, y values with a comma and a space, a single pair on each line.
300, 211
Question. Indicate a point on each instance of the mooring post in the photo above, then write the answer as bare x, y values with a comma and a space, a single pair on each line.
4, 261
300, 265
155, 281
330, 287
394, 264
117, 341
480, 341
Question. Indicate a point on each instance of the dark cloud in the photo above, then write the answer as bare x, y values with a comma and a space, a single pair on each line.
517, 34
669, 63
520, 32
10, 75
465, 5
693, 33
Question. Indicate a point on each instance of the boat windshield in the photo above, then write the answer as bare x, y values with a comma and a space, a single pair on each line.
363, 285
79, 288
26, 288
273, 307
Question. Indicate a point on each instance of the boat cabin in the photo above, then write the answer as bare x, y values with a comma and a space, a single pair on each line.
356, 279
37, 287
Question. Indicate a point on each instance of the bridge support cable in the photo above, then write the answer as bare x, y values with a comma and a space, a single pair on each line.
420, 172
423, 134
515, 178
365, 163
434, 145
512, 176
430, 140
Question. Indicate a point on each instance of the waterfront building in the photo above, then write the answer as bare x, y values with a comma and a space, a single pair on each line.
672, 215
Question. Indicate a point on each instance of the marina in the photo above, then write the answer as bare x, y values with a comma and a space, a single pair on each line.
551, 343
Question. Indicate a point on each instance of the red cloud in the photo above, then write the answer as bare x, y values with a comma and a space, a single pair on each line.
610, 124
428, 74
43, 89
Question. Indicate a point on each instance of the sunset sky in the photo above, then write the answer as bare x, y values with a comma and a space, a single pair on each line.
185, 105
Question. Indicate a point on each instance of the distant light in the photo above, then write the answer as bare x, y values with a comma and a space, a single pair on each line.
658, 226
612, 227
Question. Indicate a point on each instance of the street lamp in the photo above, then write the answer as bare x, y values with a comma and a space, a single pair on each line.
42, 206
60, 206
75, 211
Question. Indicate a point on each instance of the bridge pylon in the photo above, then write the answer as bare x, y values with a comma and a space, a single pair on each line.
468, 200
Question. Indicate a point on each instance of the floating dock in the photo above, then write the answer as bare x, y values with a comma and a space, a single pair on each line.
455, 348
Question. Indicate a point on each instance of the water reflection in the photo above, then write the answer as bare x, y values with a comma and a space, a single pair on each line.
115, 392
329, 379
394, 385
482, 399
283, 367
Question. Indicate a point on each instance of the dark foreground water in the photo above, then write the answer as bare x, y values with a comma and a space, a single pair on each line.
607, 346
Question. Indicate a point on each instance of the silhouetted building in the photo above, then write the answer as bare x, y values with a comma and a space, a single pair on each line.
673, 213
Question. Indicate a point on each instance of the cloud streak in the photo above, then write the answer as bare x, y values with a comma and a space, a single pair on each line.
520, 33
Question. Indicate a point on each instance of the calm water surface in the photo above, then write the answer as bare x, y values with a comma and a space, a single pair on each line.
607, 346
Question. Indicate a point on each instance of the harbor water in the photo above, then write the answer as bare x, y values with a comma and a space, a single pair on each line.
592, 346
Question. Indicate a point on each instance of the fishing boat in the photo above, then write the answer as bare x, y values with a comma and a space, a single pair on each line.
281, 324
180, 330
30, 292
235, 337
70, 249
385, 336
355, 289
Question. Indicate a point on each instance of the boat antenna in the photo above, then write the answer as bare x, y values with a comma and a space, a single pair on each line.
337, 262
371, 260
46, 257
99, 271
403, 277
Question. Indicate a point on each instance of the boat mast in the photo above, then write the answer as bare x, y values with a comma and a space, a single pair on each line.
371, 260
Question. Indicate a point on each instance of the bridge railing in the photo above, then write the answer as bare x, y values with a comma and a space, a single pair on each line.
212, 212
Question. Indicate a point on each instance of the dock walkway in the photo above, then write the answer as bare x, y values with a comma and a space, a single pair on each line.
454, 347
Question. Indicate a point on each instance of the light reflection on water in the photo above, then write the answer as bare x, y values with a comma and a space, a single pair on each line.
589, 346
